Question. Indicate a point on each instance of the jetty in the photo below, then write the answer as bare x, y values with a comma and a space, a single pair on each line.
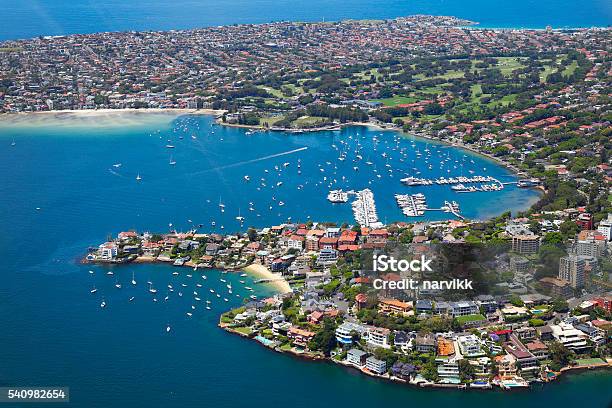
412, 205
364, 209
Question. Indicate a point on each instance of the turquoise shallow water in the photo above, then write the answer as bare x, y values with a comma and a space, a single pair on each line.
24, 19
54, 332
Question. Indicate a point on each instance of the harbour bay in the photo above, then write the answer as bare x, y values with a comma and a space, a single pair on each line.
56, 332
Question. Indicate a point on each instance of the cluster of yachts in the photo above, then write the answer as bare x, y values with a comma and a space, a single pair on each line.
361, 157
364, 209
192, 286
338, 196
461, 188
412, 205
415, 181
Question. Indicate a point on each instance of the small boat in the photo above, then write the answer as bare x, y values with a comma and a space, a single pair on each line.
110, 273
168, 328
103, 304
132, 299
91, 272
133, 280
94, 290
138, 178
189, 314
172, 162
169, 146
118, 285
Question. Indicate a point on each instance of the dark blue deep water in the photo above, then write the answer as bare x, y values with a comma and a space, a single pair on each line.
53, 330
28, 18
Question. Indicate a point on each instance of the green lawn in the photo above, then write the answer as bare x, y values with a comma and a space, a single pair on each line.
589, 361
396, 100
470, 318
508, 64
307, 121
244, 330
570, 69
276, 92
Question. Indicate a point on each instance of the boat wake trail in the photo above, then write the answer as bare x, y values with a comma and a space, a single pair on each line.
111, 171
242, 163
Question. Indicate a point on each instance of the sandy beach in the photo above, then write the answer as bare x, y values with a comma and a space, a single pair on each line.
263, 272
98, 118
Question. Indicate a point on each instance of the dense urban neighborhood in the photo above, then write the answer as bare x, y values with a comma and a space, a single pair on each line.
547, 308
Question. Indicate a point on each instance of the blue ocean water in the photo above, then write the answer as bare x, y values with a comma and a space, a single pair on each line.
29, 18
53, 329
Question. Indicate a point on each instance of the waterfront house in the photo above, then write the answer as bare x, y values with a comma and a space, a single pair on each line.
376, 366
525, 360
356, 357
448, 370
345, 332
378, 337
299, 336
107, 251
506, 365
150, 248
403, 370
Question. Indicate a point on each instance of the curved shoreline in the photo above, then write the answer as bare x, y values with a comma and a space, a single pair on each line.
309, 356
275, 280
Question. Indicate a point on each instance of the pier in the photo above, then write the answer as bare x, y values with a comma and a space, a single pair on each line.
364, 209
411, 205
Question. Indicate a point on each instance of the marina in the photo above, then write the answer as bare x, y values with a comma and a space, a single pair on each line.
412, 205
364, 209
